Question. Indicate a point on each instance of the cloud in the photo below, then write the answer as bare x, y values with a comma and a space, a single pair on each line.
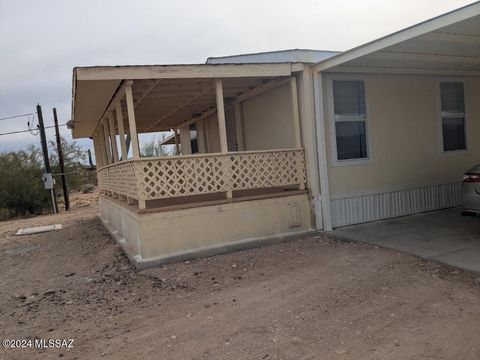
42, 41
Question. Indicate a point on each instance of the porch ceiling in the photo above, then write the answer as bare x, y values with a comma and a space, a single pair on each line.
165, 104
448, 44
164, 96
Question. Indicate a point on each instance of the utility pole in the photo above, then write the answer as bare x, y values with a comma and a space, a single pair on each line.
47, 177
60, 160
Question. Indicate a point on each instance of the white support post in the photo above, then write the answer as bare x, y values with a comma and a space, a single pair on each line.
309, 142
296, 122
131, 121
307, 106
133, 132
108, 150
101, 147
295, 115
237, 108
185, 140
113, 136
222, 127
322, 152
177, 143
121, 130
96, 150
202, 148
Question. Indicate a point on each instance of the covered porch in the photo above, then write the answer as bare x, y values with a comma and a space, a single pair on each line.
236, 135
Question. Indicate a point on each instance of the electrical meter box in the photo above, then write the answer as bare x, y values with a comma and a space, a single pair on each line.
48, 181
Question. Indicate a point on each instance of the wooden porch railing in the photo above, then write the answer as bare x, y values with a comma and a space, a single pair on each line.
177, 176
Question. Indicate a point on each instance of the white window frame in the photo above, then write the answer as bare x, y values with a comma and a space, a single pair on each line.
331, 115
441, 116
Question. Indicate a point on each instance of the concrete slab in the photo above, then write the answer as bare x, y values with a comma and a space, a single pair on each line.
38, 229
443, 236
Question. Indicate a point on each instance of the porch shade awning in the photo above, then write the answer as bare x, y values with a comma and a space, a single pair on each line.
164, 96
445, 45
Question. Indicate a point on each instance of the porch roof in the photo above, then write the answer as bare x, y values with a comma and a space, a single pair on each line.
448, 44
165, 96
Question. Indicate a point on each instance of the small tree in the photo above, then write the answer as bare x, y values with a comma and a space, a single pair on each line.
153, 147
22, 190
73, 156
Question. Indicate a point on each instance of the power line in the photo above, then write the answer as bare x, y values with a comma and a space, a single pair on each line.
16, 116
28, 130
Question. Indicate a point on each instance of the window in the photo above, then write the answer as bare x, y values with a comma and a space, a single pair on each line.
350, 120
453, 116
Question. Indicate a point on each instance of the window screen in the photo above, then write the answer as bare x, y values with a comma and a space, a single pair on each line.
452, 97
350, 119
349, 98
351, 140
453, 116
453, 134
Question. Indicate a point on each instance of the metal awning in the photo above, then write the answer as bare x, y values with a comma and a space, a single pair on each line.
164, 95
448, 44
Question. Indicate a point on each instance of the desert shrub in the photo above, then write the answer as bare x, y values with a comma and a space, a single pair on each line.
74, 158
22, 191
21, 187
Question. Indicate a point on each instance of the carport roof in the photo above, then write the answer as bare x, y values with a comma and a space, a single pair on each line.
448, 44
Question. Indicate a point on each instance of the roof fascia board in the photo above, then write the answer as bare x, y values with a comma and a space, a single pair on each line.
400, 36
182, 71
74, 90
296, 67
403, 71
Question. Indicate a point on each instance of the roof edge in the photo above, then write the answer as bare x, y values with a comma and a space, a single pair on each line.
138, 72
432, 24
270, 52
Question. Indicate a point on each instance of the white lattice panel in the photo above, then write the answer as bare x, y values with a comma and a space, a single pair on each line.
267, 169
160, 178
119, 179
164, 178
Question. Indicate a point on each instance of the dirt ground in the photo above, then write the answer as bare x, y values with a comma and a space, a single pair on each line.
313, 298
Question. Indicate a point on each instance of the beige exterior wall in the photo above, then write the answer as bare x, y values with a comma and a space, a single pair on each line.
267, 120
170, 233
405, 135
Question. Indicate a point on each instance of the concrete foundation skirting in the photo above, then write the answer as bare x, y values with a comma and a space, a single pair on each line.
203, 252
120, 241
218, 249
159, 238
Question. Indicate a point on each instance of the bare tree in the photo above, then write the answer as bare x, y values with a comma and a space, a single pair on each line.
153, 147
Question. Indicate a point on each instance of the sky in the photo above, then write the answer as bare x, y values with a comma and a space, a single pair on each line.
41, 41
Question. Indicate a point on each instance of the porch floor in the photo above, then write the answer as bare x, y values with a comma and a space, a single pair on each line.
187, 202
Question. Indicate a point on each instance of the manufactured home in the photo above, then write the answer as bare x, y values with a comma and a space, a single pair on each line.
275, 145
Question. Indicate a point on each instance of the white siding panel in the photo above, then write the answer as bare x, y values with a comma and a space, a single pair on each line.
364, 208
